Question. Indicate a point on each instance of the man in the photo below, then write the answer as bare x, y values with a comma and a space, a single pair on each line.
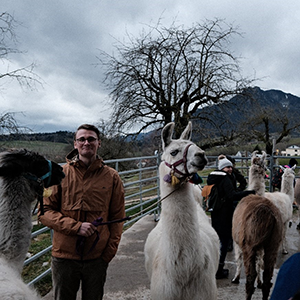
81, 249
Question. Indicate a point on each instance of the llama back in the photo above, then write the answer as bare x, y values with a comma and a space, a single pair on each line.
283, 203
265, 223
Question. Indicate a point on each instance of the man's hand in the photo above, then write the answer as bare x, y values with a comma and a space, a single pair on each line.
86, 229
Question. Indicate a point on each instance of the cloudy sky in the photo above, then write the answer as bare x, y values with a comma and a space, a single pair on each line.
63, 38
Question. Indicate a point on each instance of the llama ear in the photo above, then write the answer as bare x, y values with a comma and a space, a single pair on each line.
294, 167
254, 153
166, 134
187, 133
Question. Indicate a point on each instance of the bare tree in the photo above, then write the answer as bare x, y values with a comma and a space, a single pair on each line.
113, 145
24, 76
169, 74
268, 120
8, 40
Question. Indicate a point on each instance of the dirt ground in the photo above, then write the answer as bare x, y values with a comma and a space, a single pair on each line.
127, 278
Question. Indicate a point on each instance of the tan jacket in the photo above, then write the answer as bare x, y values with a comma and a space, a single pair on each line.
84, 195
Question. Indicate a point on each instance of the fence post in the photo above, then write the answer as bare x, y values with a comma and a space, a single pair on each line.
140, 184
272, 163
158, 160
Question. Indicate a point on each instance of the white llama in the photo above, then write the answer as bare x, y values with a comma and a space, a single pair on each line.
297, 199
23, 176
182, 251
284, 201
257, 173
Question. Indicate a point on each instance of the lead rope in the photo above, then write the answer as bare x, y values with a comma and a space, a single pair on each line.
39, 201
98, 222
159, 201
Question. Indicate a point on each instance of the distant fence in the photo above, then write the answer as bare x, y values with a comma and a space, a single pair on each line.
141, 182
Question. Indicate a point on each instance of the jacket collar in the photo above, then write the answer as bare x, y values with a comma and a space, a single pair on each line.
73, 158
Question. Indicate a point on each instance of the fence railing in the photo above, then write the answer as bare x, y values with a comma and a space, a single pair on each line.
141, 182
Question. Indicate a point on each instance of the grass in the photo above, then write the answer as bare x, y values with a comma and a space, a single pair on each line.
51, 150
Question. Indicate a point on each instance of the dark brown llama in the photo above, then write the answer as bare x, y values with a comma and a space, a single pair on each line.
257, 228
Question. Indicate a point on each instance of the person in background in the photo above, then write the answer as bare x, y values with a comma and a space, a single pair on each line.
222, 218
90, 195
242, 184
240, 179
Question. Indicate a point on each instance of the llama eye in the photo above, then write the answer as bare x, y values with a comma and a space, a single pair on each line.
174, 153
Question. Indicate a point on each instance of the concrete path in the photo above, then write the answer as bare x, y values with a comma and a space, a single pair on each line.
127, 278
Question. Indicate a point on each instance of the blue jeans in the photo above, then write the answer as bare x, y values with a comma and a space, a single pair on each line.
67, 275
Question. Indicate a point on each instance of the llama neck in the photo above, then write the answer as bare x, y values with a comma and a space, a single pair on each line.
15, 221
179, 211
257, 182
287, 187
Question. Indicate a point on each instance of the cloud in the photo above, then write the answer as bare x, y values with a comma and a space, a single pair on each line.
63, 39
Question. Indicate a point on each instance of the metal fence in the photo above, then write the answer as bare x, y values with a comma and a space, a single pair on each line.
141, 182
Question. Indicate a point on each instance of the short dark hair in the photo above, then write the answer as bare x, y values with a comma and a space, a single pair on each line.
293, 162
88, 127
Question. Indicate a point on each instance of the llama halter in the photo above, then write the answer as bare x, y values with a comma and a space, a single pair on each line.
43, 177
171, 178
40, 180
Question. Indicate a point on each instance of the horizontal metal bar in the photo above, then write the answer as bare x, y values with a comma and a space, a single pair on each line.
140, 181
39, 277
40, 231
39, 254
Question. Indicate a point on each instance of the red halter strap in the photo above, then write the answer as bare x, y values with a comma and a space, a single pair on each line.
181, 161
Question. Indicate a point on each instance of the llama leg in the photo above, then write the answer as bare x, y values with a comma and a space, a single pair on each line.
259, 267
250, 270
269, 262
239, 263
284, 242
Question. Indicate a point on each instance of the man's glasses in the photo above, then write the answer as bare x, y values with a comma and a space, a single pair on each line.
89, 139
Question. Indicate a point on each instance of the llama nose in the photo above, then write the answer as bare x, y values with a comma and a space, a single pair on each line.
202, 155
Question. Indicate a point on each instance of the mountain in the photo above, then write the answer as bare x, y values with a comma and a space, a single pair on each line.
254, 102
237, 110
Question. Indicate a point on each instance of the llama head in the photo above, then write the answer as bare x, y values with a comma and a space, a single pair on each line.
259, 161
40, 171
182, 156
258, 165
288, 173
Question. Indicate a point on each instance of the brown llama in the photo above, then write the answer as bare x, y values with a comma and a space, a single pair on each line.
257, 227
